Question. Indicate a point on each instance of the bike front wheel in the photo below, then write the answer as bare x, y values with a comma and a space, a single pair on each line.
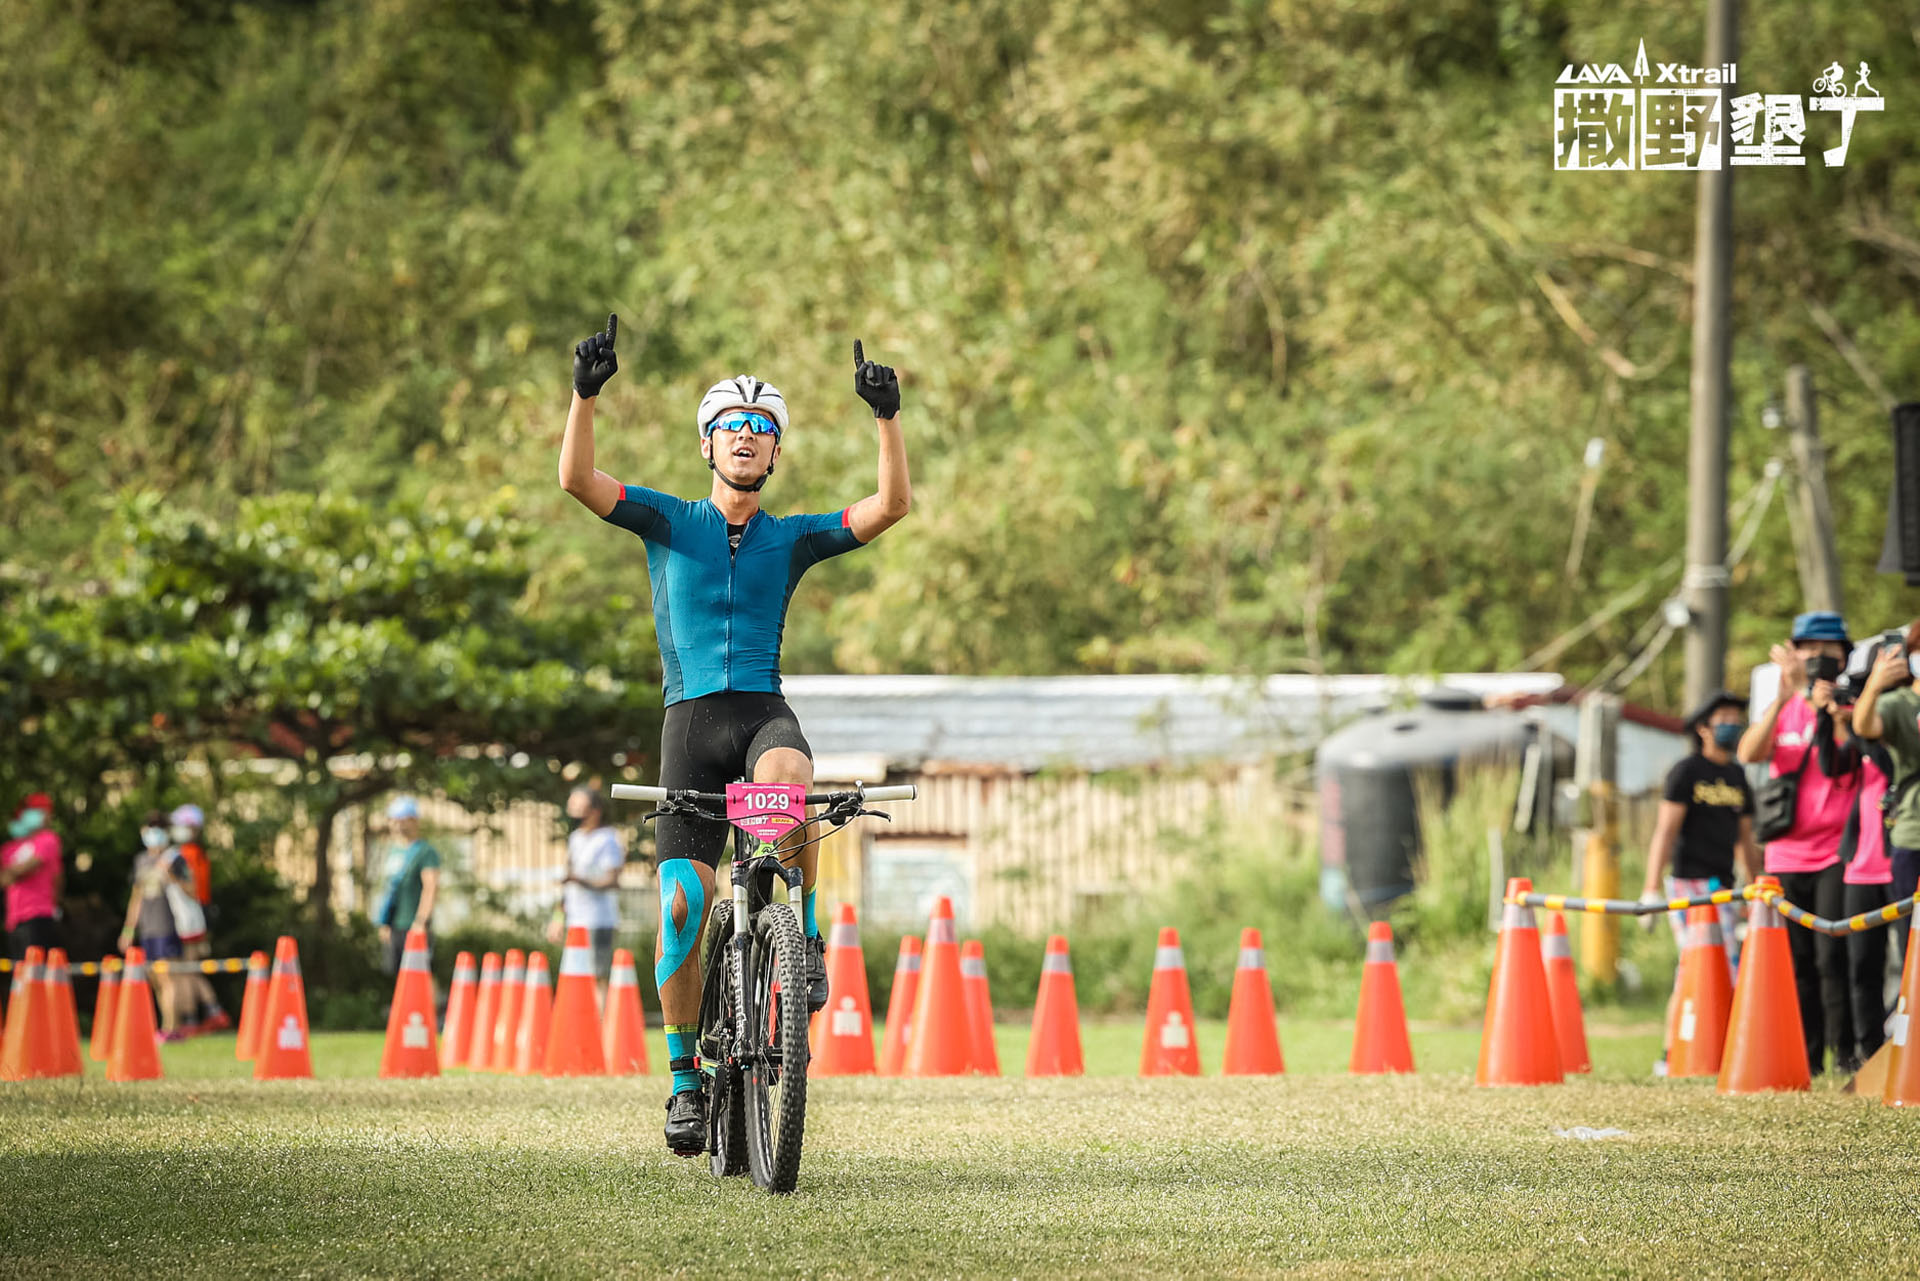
775, 1034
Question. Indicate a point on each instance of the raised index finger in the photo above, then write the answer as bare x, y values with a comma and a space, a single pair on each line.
859, 356
613, 327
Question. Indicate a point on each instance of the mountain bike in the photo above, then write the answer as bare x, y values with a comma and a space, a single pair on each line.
753, 969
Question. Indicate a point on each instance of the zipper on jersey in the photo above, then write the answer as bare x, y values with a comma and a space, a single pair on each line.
733, 563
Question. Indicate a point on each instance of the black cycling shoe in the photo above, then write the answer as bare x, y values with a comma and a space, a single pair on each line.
817, 989
687, 1123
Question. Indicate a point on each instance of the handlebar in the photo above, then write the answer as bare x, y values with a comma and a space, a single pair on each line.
637, 792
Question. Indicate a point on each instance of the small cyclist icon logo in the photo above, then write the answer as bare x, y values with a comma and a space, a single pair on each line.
1832, 82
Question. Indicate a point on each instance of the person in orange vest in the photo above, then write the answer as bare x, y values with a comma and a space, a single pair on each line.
32, 873
203, 1012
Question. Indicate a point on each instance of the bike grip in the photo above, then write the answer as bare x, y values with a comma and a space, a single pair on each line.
898, 792
635, 792
613, 328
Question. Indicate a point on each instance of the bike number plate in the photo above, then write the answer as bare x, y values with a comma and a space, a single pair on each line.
768, 810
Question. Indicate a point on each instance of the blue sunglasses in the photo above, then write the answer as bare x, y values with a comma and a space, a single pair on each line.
743, 420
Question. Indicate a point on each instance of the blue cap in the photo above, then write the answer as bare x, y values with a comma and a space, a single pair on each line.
403, 807
1820, 625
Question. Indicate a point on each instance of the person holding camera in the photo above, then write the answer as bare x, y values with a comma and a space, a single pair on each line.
1801, 813
1864, 853
1888, 712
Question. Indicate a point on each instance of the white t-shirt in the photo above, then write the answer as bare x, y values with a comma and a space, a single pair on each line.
594, 856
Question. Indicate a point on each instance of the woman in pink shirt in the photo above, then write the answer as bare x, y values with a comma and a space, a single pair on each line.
1800, 735
30, 870
1866, 853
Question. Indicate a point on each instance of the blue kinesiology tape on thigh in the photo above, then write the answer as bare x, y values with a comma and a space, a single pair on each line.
676, 942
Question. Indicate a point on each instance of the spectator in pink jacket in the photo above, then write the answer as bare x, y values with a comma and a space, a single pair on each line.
1800, 735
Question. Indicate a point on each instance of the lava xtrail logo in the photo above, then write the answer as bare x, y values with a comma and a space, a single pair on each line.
1670, 115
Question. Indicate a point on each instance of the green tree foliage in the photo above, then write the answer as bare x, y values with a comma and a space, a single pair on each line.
1235, 337
348, 651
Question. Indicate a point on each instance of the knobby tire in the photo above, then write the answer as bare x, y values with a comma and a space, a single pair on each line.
776, 1125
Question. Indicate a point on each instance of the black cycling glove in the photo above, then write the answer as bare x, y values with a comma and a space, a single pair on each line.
593, 361
876, 384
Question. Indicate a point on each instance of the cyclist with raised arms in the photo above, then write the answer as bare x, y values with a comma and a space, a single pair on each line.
722, 571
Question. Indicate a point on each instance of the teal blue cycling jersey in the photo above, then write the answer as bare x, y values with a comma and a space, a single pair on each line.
719, 613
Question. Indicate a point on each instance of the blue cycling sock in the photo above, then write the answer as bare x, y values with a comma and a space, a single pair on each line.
806, 915
681, 1040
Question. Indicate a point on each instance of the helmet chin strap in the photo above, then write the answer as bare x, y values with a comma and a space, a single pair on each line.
731, 483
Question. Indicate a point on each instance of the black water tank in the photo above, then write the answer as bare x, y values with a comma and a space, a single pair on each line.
1369, 826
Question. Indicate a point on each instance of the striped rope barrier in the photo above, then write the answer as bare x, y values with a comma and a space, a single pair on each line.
1628, 907
1851, 925
1798, 915
92, 969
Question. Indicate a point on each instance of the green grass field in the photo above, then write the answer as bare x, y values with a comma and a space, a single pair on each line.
1315, 1172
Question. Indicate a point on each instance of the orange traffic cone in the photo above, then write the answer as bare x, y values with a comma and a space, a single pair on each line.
842, 1034
941, 1040
16, 969
1253, 1037
1518, 1045
457, 1031
623, 1034
1380, 1027
1054, 1047
285, 1050
410, 1051
1171, 1048
506, 1019
67, 1057
135, 1055
973, 982
1902, 1089
900, 1002
574, 1044
29, 1051
253, 1009
1764, 1047
536, 1018
106, 1003
1563, 996
486, 1008
1697, 1037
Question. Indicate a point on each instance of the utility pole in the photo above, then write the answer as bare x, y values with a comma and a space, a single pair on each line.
1812, 510
1706, 577
1595, 765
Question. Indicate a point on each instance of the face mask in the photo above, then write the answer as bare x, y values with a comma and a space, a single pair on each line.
1913, 665
1727, 737
27, 824
182, 834
153, 837
1824, 667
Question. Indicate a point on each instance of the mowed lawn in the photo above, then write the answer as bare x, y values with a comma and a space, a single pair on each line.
1314, 1172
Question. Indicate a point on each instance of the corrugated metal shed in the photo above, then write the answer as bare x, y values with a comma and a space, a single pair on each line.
1098, 722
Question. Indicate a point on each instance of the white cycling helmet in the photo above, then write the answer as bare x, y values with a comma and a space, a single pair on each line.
744, 392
